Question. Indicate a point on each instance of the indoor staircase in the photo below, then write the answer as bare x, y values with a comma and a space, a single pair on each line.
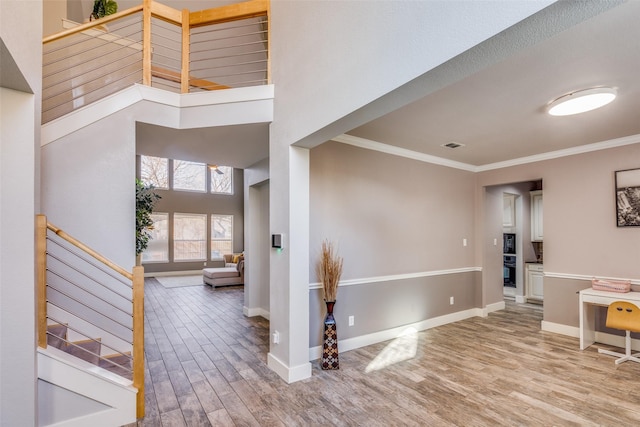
90, 335
90, 350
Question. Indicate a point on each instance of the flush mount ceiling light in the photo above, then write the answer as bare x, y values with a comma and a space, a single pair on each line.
581, 101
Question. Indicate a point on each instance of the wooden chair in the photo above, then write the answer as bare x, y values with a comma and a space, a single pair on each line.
625, 316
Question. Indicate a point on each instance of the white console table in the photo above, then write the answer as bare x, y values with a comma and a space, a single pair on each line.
590, 297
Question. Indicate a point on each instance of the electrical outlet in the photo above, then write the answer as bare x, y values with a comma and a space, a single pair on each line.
205, 263
450, 300
351, 320
276, 337
495, 242
464, 242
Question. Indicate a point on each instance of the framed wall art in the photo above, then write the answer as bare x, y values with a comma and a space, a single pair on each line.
628, 198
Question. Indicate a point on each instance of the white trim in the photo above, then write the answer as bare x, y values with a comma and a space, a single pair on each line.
92, 382
490, 308
558, 328
252, 312
521, 299
174, 273
601, 337
377, 279
588, 148
91, 113
111, 104
587, 278
290, 375
427, 158
401, 152
389, 334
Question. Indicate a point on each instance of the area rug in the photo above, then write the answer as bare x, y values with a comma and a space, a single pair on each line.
180, 281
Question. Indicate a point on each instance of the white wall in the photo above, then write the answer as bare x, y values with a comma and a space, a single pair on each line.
88, 186
257, 240
17, 279
19, 192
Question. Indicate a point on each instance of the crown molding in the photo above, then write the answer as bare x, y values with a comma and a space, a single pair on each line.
401, 152
427, 158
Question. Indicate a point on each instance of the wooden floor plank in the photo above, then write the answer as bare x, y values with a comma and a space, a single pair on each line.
207, 365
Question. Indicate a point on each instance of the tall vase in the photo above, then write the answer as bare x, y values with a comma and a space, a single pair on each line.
330, 340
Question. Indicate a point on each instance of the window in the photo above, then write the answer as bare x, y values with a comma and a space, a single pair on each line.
189, 237
154, 171
221, 179
221, 235
158, 248
189, 176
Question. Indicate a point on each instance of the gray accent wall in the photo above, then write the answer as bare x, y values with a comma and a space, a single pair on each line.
390, 216
378, 306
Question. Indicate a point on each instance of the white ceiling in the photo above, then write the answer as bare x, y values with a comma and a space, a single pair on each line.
499, 112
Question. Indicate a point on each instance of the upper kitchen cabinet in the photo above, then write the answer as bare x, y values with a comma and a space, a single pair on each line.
536, 216
509, 210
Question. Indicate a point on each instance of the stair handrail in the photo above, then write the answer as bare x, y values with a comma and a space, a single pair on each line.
136, 276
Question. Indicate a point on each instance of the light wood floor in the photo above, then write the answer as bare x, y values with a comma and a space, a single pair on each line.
206, 366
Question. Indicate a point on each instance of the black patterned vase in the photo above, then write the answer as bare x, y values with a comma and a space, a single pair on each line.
330, 340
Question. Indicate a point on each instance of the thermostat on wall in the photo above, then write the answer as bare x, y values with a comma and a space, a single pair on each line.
277, 241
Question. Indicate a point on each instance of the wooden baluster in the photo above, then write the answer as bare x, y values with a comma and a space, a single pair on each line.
146, 43
41, 278
138, 338
186, 40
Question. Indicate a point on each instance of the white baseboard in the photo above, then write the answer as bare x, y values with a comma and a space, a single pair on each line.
174, 273
520, 299
289, 374
601, 337
252, 312
389, 334
496, 306
558, 328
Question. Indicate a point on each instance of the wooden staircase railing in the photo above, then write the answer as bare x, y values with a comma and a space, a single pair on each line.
84, 303
155, 45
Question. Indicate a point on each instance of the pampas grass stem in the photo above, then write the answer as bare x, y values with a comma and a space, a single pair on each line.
329, 270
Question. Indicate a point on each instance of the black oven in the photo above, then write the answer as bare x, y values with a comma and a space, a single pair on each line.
509, 243
509, 271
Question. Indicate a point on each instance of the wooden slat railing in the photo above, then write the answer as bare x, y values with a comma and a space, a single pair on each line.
213, 49
136, 297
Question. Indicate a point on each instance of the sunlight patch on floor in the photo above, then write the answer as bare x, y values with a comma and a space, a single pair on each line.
400, 349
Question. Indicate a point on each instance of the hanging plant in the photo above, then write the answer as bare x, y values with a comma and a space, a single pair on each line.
146, 199
103, 8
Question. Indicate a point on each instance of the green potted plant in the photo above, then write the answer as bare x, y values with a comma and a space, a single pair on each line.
103, 8
146, 199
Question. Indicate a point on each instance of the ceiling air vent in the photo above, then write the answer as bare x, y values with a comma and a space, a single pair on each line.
452, 145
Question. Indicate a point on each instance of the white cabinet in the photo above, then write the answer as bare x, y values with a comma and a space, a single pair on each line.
536, 216
534, 281
509, 210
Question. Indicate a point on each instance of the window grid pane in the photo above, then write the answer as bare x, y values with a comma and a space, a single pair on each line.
189, 237
222, 183
221, 235
154, 171
189, 176
158, 248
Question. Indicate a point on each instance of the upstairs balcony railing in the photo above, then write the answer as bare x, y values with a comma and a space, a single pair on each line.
155, 45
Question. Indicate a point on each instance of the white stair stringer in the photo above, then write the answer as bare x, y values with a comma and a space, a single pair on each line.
110, 399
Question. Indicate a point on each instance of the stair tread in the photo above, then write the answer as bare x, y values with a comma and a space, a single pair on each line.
84, 350
57, 334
